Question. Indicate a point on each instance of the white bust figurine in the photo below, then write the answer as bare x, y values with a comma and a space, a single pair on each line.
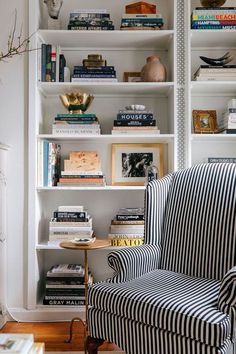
54, 7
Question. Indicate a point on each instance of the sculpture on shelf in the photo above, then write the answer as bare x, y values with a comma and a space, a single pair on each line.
225, 59
54, 7
213, 3
154, 70
76, 102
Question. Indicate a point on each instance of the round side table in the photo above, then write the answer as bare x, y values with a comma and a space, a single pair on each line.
97, 244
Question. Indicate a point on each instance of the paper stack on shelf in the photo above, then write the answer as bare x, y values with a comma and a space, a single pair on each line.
82, 169
64, 285
69, 223
215, 73
127, 228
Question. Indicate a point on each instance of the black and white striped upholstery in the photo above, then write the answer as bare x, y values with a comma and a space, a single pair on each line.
173, 295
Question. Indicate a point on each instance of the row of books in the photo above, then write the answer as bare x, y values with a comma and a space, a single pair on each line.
53, 63
127, 227
90, 19
135, 122
215, 73
65, 285
76, 124
94, 68
83, 168
214, 18
69, 223
49, 160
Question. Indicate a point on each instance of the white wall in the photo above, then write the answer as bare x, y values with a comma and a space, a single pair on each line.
13, 131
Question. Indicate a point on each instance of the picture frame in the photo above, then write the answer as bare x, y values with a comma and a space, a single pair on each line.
129, 161
205, 121
132, 76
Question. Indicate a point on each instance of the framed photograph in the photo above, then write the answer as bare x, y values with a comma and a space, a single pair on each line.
129, 162
132, 76
205, 121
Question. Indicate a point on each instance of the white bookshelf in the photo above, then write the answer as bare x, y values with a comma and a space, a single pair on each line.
127, 51
209, 95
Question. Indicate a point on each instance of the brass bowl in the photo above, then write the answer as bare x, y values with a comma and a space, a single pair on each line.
212, 3
76, 102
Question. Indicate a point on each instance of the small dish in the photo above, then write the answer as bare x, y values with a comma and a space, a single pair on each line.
84, 241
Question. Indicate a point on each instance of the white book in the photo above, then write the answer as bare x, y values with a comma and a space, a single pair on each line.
57, 237
89, 11
137, 16
74, 208
76, 126
81, 173
58, 51
70, 223
135, 132
70, 229
57, 131
218, 78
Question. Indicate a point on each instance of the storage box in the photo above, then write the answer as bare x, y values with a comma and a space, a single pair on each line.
140, 7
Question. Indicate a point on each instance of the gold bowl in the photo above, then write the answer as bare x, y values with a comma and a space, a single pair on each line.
212, 3
76, 102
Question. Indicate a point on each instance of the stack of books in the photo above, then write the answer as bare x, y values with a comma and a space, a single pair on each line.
76, 124
69, 223
229, 117
141, 16
49, 163
90, 19
127, 228
19, 344
135, 122
52, 63
215, 73
82, 169
94, 69
214, 18
65, 285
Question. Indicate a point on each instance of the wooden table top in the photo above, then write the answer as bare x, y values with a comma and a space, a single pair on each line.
93, 246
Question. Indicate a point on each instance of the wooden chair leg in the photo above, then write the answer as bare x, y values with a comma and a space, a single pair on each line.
92, 344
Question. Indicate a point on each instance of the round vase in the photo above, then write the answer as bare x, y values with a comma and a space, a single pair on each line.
153, 70
212, 3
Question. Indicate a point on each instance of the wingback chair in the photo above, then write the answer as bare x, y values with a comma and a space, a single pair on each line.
177, 293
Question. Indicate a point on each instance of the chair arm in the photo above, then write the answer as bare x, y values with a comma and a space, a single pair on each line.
133, 262
227, 296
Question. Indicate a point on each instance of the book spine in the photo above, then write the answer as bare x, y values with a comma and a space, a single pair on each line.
70, 230
64, 286
209, 22
84, 177
152, 21
74, 115
216, 17
84, 173
93, 76
69, 224
90, 11
71, 131
127, 222
62, 64
214, 27
43, 62
129, 217
93, 80
124, 236
67, 280
48, 63
91, 23
70, 214
58, 53
45, 163
76, 125
65, 291
68, 219
75, 16
53, 63
221, 160
135, 116
134, 123
71, 297
64, 302
91, 28
127, 242
141, 16
95, 68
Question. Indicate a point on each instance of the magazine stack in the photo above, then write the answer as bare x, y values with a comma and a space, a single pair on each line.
214, 18
65, 285
76, 124
70, 223
135, 120
91, 20
127, 228
83, 168
94, 69
215, 73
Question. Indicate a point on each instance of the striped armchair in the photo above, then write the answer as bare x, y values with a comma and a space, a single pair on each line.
177, 293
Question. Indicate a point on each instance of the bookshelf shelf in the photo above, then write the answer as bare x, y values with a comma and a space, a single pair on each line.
85, 189
214, 137
107, 88
122, 40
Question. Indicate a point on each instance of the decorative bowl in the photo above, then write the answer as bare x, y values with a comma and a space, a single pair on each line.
76, 102
212, 3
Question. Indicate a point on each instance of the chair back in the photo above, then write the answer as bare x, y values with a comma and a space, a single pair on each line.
199, 231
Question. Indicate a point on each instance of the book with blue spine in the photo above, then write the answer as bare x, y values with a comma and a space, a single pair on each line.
45, 162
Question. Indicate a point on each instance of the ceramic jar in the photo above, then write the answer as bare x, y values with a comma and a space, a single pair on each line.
154, 70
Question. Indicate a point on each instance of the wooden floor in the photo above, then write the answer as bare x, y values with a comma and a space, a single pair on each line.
54, 335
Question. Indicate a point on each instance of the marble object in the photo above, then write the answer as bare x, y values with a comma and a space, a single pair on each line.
54, 7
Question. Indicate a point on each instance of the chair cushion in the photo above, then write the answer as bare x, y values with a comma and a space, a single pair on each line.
175, 302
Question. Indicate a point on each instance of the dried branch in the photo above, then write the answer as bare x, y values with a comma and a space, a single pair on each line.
16, 45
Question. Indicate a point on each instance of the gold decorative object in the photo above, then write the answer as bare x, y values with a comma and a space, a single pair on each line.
76, 102
205, 121
212, 3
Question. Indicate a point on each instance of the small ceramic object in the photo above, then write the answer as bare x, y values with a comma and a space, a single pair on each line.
154, 70
54, 7
212, 3
136, 107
